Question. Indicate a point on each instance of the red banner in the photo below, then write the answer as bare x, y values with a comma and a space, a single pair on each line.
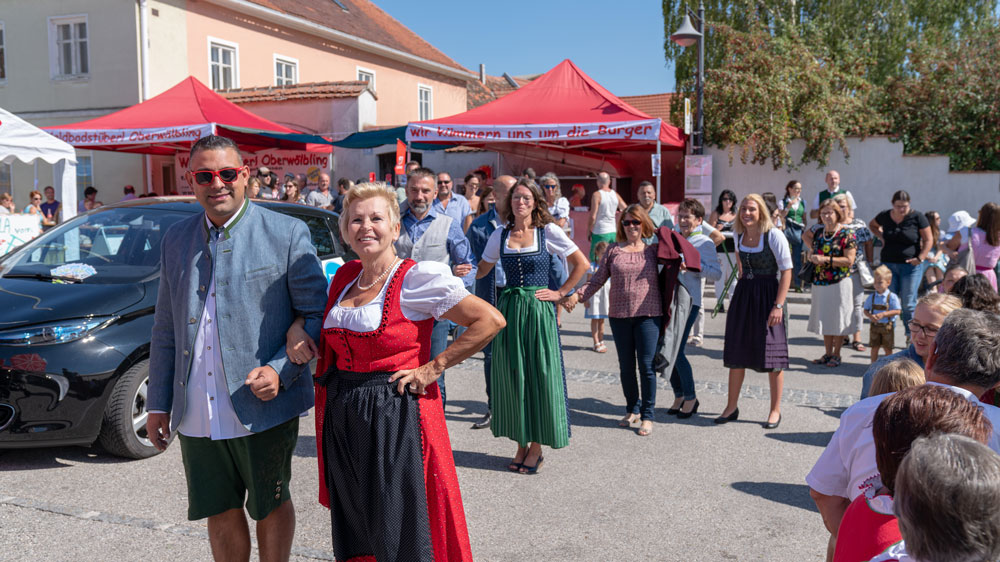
400, 157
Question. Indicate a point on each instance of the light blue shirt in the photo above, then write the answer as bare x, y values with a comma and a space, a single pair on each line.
458, 244
458, 208
880, 300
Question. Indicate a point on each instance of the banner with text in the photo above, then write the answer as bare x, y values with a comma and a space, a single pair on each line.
15, 230
92, 137
280, 162
648, 129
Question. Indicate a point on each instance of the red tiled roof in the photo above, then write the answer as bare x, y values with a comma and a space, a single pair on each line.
304, 91
365, 20
654, 105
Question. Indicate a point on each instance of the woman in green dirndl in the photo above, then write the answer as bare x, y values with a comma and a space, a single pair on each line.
527, 378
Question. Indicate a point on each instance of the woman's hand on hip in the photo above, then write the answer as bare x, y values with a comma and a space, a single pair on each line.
416, 380
548, 295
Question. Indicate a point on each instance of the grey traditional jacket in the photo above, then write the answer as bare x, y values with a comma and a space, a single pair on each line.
266, 273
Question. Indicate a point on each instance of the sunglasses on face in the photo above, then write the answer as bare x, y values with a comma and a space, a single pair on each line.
631, 222
549, 186
443, 182
227, 175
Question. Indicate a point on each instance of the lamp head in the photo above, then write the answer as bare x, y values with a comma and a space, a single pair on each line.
687, 35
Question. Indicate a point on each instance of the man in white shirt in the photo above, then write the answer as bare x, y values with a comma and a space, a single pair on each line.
965, 358
832, 190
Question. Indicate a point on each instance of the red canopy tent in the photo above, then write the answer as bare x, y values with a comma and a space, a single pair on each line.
175, 119
563, 111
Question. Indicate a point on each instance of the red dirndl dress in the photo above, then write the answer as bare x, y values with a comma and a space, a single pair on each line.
385, 462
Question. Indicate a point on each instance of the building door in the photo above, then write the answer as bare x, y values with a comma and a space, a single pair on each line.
169, 179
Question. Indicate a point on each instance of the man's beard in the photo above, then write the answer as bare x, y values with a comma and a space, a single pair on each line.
419, 209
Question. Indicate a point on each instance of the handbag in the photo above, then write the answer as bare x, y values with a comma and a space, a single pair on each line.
806, 272
865, 273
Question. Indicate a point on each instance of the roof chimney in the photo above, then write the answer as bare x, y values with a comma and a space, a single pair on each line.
482, 74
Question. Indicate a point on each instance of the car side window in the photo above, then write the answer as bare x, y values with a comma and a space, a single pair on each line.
322, 238
345, 249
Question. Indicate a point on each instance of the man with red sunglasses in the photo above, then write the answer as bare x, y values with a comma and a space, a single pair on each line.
232, 280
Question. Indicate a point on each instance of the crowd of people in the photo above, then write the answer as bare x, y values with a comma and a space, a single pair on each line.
490, 268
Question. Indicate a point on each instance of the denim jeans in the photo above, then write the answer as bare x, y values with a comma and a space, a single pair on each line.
905, 282
682, 377
794, 235
635, 340
439, 341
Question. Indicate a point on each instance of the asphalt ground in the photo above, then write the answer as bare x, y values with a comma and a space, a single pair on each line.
692, 491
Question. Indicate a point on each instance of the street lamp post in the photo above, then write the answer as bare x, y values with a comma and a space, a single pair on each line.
688, 35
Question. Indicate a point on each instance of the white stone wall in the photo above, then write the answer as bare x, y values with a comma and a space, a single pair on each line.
876, 168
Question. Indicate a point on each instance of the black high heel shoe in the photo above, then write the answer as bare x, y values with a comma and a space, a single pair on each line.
731, 417
769, 425
685, 415
674, 411
525, 469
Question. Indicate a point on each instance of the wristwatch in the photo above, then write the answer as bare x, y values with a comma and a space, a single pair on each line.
779, 306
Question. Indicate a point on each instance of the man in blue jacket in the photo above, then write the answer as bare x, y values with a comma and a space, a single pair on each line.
232, 280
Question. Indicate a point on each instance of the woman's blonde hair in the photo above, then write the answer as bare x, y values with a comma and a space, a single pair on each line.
365, 191
763, 215
942, 302
895, 376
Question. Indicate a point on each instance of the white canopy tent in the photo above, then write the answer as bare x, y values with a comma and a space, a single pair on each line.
20, 140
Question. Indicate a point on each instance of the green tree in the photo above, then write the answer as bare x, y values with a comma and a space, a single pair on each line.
880, 30
949, 100
771, 90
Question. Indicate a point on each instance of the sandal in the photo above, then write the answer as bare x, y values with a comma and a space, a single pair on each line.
628, 420
600, 347
833, 362
822, 360
858, 346
645, 429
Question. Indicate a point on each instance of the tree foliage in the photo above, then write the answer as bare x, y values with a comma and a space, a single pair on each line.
772, 90
949, 100
819, 70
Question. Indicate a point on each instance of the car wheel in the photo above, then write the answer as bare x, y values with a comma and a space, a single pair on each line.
123, 431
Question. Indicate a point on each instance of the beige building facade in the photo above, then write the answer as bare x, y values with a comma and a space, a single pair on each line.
63, 61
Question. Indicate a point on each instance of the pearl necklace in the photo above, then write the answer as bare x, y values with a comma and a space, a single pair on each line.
379, 278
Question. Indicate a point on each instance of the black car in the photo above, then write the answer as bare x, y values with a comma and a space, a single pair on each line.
76, 310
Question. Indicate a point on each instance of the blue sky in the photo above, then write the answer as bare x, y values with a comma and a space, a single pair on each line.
619, 44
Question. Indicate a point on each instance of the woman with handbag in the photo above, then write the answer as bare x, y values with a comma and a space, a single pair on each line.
861, 271
832, 307
983, 249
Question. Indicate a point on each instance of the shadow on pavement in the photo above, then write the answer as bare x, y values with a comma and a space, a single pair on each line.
305, 446
469, 410
818, 438
482, 461
591, 412
795, 495
833, 412
56, 457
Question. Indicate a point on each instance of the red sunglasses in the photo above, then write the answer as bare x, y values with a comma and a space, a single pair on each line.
227, 175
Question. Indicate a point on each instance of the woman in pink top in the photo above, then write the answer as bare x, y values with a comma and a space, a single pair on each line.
985, 239
635, 311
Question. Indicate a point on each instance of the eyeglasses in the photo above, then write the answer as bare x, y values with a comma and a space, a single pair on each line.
631, 222
925, 330
227, 175
36, 198
527, 198
550, 186
442, 182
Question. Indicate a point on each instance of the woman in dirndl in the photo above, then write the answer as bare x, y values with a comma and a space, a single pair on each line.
386, 466
528, 380
755, 327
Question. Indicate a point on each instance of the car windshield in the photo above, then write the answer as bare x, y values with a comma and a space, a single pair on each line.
109, 247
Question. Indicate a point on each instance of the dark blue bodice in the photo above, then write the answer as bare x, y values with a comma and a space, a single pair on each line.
529, 269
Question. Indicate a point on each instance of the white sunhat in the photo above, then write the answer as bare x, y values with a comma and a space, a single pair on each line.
959, 220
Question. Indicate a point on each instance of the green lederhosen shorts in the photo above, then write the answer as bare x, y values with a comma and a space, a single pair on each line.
222, 474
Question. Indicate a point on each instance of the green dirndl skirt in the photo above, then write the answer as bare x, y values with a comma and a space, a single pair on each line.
527, 376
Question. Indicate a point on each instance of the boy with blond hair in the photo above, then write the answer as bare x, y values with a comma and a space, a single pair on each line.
881, 308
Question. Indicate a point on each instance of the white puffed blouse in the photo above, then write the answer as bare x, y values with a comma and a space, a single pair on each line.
429, 291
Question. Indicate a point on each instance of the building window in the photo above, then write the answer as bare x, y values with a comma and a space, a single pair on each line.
425, 102
3, 56
69, 46
286, 71
84, 174
366, 75
223, 64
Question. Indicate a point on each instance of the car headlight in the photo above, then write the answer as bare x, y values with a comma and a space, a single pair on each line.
57, 332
